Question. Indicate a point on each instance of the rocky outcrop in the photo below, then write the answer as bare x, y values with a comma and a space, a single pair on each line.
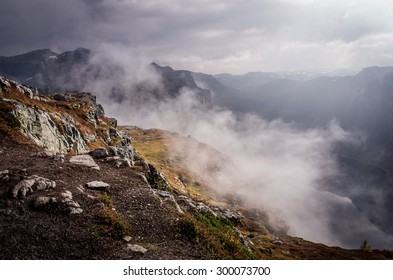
50, 130
63, 123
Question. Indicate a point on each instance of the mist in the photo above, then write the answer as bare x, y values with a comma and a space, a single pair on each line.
273, 164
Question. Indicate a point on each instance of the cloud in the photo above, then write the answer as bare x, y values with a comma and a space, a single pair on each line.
209, 36
273, 165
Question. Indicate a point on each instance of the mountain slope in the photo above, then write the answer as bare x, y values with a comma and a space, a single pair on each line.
147, 204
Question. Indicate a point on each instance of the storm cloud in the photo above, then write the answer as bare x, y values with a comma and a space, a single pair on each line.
210, 36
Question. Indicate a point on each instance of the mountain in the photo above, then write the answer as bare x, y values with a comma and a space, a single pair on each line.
75, 70
74, 185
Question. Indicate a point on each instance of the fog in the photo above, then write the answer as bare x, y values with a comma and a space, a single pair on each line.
274, 165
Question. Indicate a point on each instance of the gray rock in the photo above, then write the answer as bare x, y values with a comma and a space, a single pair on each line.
64, 202
97, 185
99, 153
203, 208
277, 242
118, 161
136, 248
42, 128
242, 239
31, 184
51, 154
85, 160
166, 196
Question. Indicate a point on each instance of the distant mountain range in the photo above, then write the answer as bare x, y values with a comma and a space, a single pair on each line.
73, 71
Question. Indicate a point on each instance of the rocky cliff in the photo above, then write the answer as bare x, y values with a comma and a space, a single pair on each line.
73, 185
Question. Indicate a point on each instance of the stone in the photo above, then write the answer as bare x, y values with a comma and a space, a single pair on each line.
118, 161
168, 197
127, 238
43, 201
31, 184
99, 153
97, 185
136, 248
72, 206
277, 242
85, 160
51, 154
4, 175
242, 239
65, 202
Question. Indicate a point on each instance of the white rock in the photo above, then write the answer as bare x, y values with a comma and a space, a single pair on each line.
97, 185
85, 160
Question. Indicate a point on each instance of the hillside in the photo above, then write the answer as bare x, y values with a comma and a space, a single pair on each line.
74, 185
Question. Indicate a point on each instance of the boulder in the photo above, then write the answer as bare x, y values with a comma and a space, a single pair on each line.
31, 184
85, 160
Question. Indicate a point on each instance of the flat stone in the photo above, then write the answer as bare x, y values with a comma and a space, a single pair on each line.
136, 248
97, 185
85, 160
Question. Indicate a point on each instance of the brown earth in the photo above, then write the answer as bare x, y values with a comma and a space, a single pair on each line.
29, 234
98, 232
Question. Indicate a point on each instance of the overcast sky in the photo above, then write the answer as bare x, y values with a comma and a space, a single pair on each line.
211, 36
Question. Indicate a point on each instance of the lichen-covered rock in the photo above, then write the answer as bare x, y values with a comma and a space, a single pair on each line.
31, 184
43, 128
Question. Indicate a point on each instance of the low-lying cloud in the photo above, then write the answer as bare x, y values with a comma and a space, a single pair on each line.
274, 164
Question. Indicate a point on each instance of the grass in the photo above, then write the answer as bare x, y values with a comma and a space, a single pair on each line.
110, 223
213, 233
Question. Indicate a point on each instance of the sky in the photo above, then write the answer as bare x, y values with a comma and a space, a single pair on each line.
210, 36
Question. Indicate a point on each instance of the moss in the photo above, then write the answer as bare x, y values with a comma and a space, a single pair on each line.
111, 224
106, 200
